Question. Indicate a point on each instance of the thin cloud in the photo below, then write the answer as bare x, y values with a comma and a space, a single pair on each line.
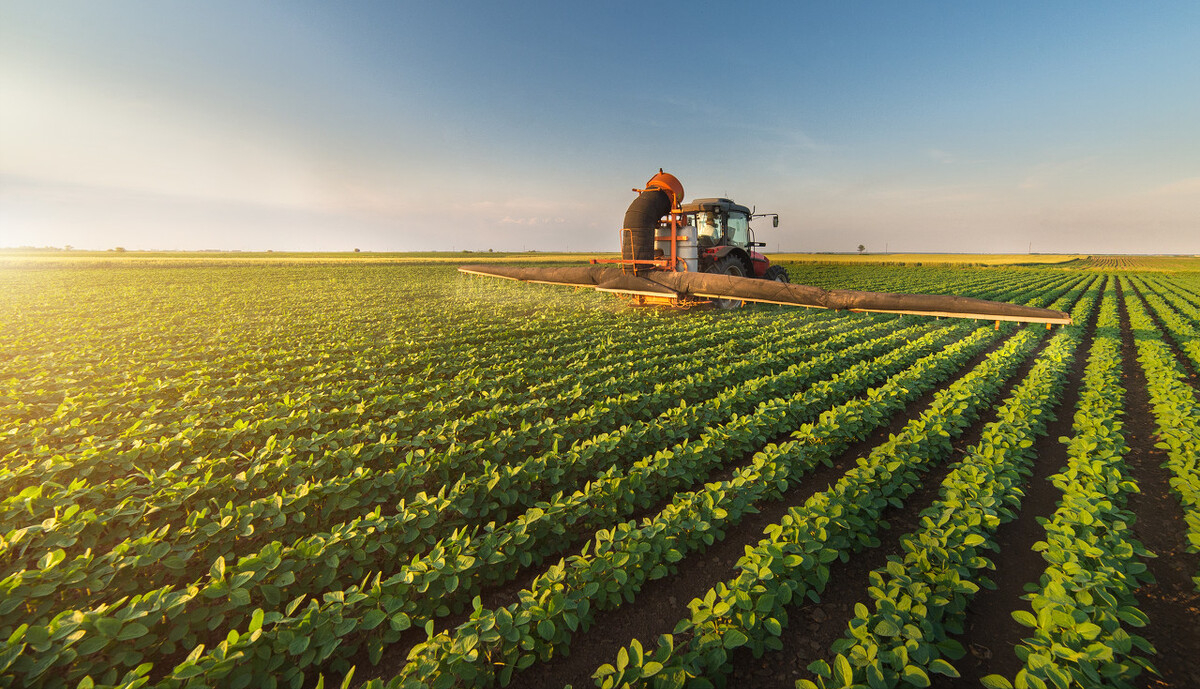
534, 220
1189, 186
941, 156
1054, 173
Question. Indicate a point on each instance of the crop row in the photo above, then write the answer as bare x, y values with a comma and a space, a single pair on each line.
677, 460
468, 408
990, 284
1176, 415
489, 492
1179, 318
227, 590
620, 560
336, 553
750, 610
242, 434
1085, 601
295, 464
205, 393
792, 561
918, 600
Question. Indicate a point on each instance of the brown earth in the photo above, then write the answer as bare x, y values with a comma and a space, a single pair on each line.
1172, 603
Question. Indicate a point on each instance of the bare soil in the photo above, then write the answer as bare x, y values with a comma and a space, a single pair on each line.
989, 631
662, 603
1172, 602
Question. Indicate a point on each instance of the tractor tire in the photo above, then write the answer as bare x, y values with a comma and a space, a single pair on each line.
776, 273
730, 265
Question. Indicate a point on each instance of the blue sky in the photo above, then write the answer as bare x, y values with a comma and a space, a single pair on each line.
915, 126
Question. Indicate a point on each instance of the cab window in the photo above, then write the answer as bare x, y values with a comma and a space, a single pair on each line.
708, 228
738, 229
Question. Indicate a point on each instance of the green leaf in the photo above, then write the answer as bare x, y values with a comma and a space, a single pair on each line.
1025, 618
734, 638
373, 618
256, 620
108, 626
51, 559
401, 621
915, 676
91, 645
133, 630
820, 668
842, 672
996, 682
298, 645
239, 597
943, 668
9, 654
887, 628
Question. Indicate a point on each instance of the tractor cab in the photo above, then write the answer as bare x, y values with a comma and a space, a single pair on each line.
725, 237
719, 222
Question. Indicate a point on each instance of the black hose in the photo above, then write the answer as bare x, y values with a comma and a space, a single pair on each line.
641, 224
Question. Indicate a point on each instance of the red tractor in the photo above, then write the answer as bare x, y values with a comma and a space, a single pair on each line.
727, 243
727, 240
711, 235
689, 254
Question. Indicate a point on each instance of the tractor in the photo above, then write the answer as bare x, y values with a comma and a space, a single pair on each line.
727, 243
726, 239
701, 253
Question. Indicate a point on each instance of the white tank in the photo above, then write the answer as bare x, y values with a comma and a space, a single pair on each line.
687, 250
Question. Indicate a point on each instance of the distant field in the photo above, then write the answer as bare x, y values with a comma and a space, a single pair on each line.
1074, 261
16, 257
1151, 263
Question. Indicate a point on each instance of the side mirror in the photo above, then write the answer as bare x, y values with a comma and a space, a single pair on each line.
775, 221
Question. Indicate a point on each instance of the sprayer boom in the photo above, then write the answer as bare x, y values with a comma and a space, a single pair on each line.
680, 287
704, 252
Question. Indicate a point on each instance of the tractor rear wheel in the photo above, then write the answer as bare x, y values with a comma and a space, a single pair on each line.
776, 273
730, 265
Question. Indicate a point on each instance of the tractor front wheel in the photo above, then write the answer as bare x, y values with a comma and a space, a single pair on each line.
776, 273
730, 265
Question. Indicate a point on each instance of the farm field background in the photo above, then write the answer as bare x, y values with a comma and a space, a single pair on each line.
19, 257
252, 470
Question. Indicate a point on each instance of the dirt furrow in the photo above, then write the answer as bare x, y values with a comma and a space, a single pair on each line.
1172, 602
662, 603
813, 627
989, 631
1190, 374
395, 655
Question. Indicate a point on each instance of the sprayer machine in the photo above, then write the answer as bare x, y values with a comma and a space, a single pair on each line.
704, 253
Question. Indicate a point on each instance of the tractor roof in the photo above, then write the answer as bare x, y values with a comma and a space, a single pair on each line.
718, 204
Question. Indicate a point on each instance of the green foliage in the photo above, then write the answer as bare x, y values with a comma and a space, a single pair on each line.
1084, 603
262, 474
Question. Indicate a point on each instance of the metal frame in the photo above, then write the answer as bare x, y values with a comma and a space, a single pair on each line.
671, 225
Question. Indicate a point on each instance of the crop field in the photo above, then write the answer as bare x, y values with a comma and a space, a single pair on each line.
292, 472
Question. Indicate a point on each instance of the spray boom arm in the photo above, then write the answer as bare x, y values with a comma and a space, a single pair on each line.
651, 278
676, 285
